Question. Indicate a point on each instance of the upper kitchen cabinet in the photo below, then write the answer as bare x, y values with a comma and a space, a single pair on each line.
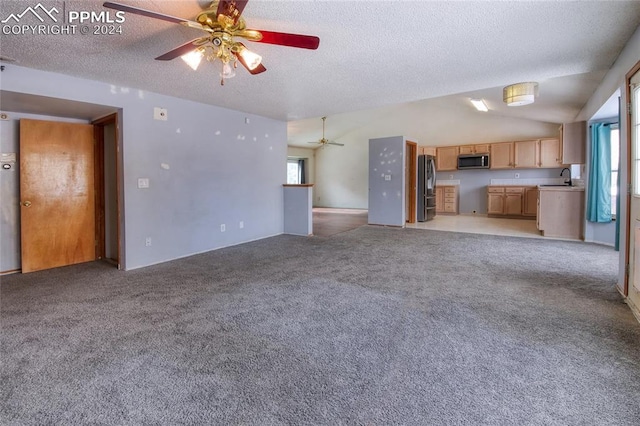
474, 149
550, 153
447, 158
427, 150
573, 141
526, 154
501, 155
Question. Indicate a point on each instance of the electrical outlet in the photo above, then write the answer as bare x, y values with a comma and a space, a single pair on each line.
160, 114
148, 242
450, 176
517, 175
241, 224
223, 228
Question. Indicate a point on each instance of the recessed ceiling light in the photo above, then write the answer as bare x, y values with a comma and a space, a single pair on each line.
480, 105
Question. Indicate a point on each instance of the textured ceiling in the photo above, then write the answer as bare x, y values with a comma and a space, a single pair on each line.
372, 53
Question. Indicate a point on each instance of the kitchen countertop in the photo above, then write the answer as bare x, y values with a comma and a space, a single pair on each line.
561, 188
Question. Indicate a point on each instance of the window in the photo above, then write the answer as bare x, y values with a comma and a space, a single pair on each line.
296, 173
615, 161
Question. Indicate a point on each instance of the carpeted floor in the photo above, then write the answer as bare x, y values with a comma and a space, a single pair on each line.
373, 326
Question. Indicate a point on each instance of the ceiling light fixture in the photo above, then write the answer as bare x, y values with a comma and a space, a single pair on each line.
520, 93
227, 52
479, 104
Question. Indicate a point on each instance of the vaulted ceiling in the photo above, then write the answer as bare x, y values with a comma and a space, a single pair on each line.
372, 54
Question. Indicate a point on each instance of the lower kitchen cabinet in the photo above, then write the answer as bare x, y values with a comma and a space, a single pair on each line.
511, 201
447, 199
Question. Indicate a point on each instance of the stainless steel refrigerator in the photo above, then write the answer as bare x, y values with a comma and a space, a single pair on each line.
426, 187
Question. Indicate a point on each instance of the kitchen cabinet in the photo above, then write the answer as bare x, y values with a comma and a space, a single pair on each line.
447, 158
550, 153
526, 154
573, 140
427, 150
530, 207
495, 200
447, 199
501, 155
474, 149
511, 201
561, 212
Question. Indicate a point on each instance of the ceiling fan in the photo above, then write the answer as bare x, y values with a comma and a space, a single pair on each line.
324, 141
223, 23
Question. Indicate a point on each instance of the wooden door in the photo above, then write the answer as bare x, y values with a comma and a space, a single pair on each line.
481, 149
466, 149
411, 181
630, 285
501, 155
57, 194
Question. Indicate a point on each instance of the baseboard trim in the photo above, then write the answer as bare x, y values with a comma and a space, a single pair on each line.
634, 309
10, 271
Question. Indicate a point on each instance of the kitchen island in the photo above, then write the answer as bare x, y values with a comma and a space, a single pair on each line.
561, 211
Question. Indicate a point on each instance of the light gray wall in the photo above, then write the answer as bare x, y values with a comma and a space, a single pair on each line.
386, 197
473, 184
298, 212
10, 189
205, 165
612, 81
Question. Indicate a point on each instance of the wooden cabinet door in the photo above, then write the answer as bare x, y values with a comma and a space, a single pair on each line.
482, 148
574, 139
550, 153
447, 158
495, 203
467, 149
513, 204
501, 155
439, 199
526, 154
530, 201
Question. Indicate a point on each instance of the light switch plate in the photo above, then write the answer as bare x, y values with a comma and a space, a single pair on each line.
387, 177
143, 183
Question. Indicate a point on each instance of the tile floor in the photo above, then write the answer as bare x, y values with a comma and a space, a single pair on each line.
481, 224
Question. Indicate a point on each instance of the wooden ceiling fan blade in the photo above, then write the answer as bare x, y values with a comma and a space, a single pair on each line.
291, 40
335, 143
182, 50
231, 8
144, 12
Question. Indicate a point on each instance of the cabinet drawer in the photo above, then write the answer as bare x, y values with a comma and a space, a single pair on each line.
449, 190
449, 207
515, 190
499, 189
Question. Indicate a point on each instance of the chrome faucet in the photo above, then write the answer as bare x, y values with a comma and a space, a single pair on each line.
567, 182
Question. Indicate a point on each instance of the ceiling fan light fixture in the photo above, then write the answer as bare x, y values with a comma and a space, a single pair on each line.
193, 58
479, 105
250, 58
228, 71
520, 93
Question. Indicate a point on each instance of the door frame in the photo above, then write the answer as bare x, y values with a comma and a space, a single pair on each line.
625, 281
411, 181
99, 125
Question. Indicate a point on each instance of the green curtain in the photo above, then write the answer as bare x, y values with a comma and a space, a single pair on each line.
599, 196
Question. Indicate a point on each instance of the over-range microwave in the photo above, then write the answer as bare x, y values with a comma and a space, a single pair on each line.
473, 161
